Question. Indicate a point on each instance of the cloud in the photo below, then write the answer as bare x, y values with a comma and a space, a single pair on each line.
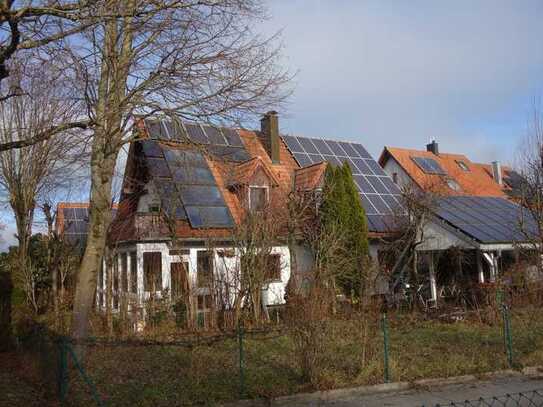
402, 73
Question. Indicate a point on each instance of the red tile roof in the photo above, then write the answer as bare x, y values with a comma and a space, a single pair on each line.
310, 177
476, 181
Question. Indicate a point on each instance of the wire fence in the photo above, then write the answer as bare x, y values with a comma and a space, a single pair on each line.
243, 361
522, 399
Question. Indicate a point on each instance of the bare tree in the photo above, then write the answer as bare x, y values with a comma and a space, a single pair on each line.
198, 60
28, 173
529, 184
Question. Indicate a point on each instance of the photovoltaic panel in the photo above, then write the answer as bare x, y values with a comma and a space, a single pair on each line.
232, 137
196, 134
429, 165
308, 146
198, 194
380, 197
487, 219
214, 135
151, 148
293, 144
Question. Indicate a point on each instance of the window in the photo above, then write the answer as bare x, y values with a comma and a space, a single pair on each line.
273, 268
133, 272
395, 177
124, 272
463, 166
258, 198
152, 271
453, 184
205, 306
204, 268
116, 282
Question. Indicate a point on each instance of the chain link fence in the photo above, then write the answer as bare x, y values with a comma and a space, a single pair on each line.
248, 362
522, 399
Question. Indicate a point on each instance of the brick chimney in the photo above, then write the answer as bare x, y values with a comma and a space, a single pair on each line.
497, 172
433, 147
269, 127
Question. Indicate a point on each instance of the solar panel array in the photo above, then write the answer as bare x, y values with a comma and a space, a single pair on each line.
429, 165
222, 142
76, 225
487, 219
379, 195
186, 186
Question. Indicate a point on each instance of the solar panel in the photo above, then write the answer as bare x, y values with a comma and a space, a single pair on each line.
151, 148
214, 135
429, 165
379, 195
192, 191
487, 219
196, 134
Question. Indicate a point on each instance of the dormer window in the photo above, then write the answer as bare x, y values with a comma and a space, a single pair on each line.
258, 198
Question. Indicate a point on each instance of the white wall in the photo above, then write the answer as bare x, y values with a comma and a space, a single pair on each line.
438, 237
392, 167
225, 268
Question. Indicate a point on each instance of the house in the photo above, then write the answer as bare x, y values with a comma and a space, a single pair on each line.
473, 213
187, 186
72, 222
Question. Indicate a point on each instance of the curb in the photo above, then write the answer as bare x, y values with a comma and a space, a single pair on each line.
345, 393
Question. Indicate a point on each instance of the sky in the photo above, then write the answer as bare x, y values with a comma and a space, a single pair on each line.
398, 73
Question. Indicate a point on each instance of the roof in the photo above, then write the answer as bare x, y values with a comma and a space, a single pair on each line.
193, 168
204, 201
245, 172
310, 177
379, 196
477, 180
487, 220
72, 222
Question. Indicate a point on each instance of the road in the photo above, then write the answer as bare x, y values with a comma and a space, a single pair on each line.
531, 389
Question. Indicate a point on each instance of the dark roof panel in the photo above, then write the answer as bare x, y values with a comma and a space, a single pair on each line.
487, 219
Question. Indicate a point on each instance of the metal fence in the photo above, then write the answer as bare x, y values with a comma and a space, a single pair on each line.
532, 398
61, 365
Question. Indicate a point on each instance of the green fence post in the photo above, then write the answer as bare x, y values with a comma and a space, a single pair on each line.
384, 327
507, 337
241, 364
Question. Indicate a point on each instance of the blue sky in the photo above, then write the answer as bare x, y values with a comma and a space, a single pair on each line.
401, 73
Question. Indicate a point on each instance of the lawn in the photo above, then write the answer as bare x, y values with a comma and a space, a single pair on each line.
350, 354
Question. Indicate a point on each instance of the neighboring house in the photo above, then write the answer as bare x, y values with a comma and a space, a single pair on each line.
187, 186
473, 213
72, 222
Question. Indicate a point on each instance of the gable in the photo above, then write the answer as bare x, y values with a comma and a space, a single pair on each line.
441, 173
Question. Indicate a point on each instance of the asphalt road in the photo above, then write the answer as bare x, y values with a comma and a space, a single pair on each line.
531, 395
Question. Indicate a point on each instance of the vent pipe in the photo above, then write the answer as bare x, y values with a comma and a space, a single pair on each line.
497, 172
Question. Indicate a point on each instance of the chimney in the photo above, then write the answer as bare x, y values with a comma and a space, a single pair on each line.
433, 147
269, 127
497, 172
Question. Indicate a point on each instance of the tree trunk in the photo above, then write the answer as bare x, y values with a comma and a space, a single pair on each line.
102, 168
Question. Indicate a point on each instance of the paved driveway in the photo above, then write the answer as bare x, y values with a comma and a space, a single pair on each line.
446, 394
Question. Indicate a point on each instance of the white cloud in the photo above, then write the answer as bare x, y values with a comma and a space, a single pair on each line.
401, 73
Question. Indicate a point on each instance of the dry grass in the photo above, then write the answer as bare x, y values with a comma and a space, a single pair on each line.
166, 375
